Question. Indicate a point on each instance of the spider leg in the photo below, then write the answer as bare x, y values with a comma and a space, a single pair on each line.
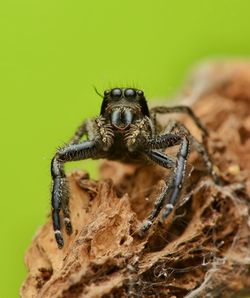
161, 159
79, 133
167, 162
173, 187
178, 177
60, 193
200, 148
181, 109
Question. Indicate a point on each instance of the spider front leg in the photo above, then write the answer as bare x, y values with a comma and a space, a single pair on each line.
172, 190
178, 177
60, 192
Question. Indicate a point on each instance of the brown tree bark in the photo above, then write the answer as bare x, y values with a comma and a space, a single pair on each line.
203, 249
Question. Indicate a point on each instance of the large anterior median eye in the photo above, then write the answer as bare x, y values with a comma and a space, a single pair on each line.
116, 93
130, 93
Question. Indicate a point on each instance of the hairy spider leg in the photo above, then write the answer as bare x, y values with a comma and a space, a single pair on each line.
164, 161
60, 194
161, 159
178, 177
175, 182
173, 186
180, 109
199, 147
80, 132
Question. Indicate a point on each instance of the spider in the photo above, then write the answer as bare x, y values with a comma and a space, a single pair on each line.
126, 130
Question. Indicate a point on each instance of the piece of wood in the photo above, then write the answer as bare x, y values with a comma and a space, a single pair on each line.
201, 251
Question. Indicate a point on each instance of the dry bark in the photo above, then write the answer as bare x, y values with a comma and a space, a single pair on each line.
201, 251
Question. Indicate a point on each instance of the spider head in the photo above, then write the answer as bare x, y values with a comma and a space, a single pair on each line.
123, 106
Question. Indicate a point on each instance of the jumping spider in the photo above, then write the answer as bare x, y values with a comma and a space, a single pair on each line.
127, 131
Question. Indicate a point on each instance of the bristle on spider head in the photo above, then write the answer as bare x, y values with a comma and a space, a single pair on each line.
97, 92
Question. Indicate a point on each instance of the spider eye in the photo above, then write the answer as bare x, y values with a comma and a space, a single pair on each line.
130, 93
116, 93
140, 92
106, 92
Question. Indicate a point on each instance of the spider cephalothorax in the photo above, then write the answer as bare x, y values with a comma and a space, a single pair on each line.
127, 131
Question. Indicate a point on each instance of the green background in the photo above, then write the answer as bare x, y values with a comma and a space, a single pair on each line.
53, 52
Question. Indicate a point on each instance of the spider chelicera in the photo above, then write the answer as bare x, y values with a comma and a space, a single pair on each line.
126, 130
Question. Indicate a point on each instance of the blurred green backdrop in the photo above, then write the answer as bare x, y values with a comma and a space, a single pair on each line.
53, 52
